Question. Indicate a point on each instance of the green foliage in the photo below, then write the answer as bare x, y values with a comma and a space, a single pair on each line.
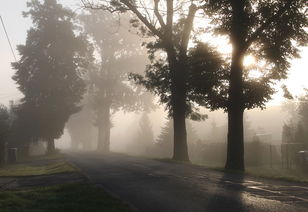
49, 71
206, 75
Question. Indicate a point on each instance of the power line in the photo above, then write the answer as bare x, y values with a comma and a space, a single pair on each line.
92, 5
7, 37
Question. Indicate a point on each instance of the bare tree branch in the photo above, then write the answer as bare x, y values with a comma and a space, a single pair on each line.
158, 15
187, 30
149, 17
169, 21
142, 18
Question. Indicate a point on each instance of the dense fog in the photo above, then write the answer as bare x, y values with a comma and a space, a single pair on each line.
113, 82
264, 126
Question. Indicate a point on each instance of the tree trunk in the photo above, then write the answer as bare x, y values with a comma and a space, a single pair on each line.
235, 146
51, 146
177, 64
103, 143
180, 150
178, 98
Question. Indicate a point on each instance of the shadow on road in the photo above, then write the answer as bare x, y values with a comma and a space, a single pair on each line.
228, 195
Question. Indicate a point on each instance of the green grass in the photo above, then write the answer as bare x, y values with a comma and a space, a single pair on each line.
24, 169
278, 173
68, 197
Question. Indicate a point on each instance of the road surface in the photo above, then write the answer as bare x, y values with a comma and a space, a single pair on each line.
157, 186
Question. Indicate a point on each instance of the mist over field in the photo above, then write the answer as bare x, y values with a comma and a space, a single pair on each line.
264, 126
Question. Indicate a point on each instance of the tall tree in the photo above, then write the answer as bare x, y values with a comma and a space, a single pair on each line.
48, 72
120, 53
271, 31
158, 19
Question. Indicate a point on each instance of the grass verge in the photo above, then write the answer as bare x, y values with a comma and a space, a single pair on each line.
20, 170
294, 175
68, 197
275, 173
40, 165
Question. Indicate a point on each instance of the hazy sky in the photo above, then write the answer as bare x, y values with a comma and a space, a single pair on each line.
17, 27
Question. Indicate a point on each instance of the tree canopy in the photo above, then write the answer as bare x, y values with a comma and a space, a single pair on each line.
49, 70
119, 53
271, 31
151, 20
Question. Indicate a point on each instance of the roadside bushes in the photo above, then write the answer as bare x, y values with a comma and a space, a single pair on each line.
4, 133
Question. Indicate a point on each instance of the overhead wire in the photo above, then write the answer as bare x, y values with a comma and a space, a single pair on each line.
8, 38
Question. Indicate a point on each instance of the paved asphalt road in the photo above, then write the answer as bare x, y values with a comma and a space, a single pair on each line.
156, 186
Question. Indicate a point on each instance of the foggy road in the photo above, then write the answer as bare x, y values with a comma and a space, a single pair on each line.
157, 186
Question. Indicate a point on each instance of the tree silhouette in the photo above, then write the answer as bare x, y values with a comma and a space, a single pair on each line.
157, 20
120, 52
48, 72
269, 30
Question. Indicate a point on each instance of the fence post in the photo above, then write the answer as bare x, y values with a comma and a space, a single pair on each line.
287, 156
271, 158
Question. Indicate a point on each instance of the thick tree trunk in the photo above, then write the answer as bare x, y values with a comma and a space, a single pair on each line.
103, 143
51, 146
180, 150
178, 92
177, 64
235, 146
